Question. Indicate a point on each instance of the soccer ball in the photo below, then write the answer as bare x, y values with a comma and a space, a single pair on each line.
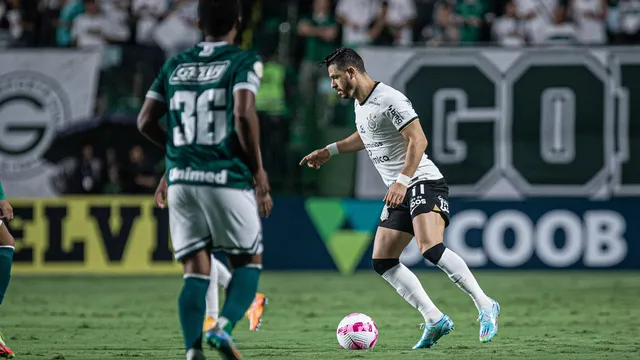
357, 332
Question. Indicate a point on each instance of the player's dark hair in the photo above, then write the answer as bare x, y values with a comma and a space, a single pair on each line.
342, 58
217, 17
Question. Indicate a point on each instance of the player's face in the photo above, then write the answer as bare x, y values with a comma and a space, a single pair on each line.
341, 81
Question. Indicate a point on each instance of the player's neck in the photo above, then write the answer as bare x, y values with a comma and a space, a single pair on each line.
215, 39
363, 90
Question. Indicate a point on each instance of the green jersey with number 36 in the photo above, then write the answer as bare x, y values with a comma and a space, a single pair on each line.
197, 85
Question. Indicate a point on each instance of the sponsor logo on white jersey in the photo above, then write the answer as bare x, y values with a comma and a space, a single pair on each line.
395, 116
373, 145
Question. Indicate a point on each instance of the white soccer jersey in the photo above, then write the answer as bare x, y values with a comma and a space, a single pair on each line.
380, 119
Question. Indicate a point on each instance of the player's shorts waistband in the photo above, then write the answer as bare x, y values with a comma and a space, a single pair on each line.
421, 180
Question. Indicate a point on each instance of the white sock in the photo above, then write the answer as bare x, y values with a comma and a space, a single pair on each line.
408, 286
223, 273
459, 273
213, 293
195, 354
220, 277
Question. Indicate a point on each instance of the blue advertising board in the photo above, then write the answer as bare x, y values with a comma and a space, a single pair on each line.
130, 235
533, 234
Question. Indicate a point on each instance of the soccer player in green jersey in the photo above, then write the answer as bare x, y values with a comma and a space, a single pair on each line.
217, 187
6, 259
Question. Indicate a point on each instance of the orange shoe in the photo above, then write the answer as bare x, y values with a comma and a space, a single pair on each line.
209, 323
254, 314
5, 352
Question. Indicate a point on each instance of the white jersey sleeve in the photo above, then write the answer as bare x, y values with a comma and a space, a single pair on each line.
398, 110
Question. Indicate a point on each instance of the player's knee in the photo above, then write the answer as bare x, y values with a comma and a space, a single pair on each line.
434, 253
241, 260
5, 236
382, 265
197, 263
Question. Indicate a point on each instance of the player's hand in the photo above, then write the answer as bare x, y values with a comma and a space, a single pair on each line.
161, 193
6, 211
316, 158
265, 203
395, 195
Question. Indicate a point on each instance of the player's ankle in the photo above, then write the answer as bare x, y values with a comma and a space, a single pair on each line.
433, 316
225, 325
483, 302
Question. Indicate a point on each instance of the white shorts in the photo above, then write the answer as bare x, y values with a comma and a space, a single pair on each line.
222, 219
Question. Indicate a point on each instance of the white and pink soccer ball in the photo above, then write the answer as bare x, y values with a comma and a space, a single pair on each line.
357, 332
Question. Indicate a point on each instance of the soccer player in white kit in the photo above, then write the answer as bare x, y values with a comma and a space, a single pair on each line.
416, 203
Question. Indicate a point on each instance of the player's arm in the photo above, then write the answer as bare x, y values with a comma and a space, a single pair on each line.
248, 125
6, 211
352, 143
246, 83
245, 88
248, 128
153, 109
149, 121
318, 157
400, 112
416, 145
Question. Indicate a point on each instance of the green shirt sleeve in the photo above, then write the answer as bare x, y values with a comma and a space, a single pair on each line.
158, 90
248, 73
2, 195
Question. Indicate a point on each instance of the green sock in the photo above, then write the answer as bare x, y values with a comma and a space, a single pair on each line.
6, 260
240, 294
191, 307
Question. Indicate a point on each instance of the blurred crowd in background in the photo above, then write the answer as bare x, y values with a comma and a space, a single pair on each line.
292, 36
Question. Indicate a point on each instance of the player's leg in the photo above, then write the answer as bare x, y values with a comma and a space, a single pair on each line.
430, 218
220, 277
233, 218
222, 273
6, 259
392, 236
191, 241
387, 248
242, 289
192, 303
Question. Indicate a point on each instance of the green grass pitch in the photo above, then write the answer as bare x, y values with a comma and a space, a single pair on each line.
545, 315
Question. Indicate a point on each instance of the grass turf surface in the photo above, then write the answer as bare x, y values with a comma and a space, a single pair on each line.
549, 315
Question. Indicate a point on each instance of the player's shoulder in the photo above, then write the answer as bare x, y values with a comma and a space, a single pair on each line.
251, 55
183, 57
239, 55
250, 60
390, 94
391, 98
